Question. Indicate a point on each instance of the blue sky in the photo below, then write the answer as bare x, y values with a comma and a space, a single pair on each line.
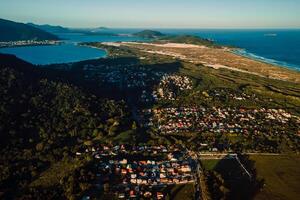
156, 13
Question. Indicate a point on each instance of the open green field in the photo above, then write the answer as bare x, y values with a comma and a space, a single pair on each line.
56, 172
281, 175
179, 192
209, 164
235, 179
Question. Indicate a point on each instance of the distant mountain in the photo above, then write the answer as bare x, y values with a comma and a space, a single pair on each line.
100, 29
149, 34
59, 29
50, 28
13, 31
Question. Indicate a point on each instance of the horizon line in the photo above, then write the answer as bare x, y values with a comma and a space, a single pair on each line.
149, 27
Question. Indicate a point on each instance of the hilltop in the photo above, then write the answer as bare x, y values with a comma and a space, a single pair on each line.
149, 34
13, 31
188, 39
50, 28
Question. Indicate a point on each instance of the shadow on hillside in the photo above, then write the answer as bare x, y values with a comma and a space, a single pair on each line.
239, 183
89, 76
75, 73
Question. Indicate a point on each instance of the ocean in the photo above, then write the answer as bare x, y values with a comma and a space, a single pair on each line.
276, 46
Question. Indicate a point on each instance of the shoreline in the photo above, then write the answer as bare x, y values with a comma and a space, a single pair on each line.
219, 58
93, 47
255, 57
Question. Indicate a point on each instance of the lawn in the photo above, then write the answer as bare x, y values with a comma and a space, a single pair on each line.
235, 179
180, 192
281, 175
209, 164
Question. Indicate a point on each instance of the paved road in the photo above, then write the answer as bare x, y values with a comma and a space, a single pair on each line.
198, 171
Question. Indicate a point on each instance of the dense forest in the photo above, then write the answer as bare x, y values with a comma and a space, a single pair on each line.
13, 31
43, 123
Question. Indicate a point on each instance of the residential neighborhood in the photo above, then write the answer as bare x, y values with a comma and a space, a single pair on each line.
134, 172
28, 43
170, 85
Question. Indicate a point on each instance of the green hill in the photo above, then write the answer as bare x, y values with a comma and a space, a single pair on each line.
188, 39
44, 120
149, 34
13, 31
50, 29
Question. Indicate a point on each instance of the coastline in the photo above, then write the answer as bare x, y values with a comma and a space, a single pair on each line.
217, 59
93, 47
244, 53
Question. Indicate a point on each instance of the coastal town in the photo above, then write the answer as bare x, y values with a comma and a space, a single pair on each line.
22, 43
252, 124
129, 76
216, 120
149, 84
147, 87
142, 172
170, 85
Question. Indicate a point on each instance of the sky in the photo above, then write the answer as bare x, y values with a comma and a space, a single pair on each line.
155, 13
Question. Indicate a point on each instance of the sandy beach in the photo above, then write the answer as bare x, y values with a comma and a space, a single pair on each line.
217, 58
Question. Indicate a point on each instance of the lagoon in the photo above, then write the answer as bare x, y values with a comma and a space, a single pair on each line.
67, 52
64, 53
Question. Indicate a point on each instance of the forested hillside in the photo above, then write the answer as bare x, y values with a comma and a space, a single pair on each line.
45, 122
13, 31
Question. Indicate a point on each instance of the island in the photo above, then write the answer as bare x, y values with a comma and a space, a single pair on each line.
149, 34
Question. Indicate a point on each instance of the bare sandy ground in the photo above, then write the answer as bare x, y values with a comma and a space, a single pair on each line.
217, 58
169, 45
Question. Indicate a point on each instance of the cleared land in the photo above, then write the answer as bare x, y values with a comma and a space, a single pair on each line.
281, 175
217, 58
179, 192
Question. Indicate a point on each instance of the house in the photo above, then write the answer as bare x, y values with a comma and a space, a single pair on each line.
159, 195
147, 194
121, 196
123, 162
123, 171
186, 169
132, 194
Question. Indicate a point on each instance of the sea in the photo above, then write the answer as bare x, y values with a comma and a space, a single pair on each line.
276, 46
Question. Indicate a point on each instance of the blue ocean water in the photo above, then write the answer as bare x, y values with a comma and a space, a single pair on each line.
276, 46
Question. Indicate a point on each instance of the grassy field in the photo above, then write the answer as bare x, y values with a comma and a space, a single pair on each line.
179, 192
56, 172
209, 164
281, 175
235, 178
